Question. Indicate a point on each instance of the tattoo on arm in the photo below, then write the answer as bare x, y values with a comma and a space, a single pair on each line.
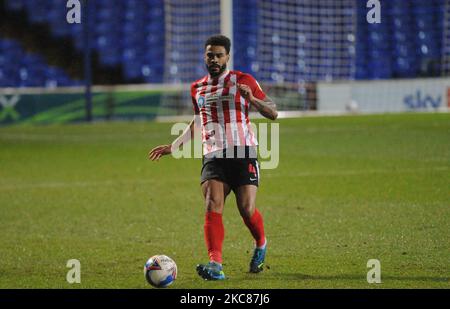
267, 108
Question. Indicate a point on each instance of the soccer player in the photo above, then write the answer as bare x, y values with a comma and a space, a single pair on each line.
221, 102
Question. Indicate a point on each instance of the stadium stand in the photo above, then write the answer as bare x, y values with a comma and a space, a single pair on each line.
277, 41
19, 68
407, 43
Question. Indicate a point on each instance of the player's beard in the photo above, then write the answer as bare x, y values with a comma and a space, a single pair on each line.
216, 73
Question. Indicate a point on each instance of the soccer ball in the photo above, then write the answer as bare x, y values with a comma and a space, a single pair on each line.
160, 271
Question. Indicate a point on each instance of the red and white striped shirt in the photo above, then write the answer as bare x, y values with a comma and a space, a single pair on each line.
222, 110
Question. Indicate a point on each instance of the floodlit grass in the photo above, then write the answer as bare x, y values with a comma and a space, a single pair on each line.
347, 189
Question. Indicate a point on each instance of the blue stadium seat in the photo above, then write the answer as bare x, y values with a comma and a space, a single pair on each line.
404, 67
110, 57
22, 69
15, 5
55, 77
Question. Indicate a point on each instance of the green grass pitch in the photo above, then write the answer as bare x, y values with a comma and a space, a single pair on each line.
347, 189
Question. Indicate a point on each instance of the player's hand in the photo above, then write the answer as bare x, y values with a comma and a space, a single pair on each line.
246, 92
159, 151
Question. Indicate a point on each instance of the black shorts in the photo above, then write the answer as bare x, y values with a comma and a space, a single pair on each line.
235, 172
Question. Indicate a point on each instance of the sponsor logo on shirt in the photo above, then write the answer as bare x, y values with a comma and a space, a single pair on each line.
215, 97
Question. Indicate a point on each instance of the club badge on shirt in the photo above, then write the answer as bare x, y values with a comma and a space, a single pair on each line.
201, 101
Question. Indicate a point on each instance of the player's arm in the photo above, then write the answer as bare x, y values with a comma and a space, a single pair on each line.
266, 107
186, 136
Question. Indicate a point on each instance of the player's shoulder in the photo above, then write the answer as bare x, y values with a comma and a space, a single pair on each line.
242, 75
246, 78
199, 82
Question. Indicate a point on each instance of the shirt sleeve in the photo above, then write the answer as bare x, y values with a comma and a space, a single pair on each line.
250, 81
194, 101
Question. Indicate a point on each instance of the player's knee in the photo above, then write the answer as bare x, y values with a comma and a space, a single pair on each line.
247, 210
214, 204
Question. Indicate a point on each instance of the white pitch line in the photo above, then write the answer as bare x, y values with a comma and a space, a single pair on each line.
50, 137
64, 184
67, 184
361, 172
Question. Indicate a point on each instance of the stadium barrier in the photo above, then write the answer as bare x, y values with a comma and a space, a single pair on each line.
64, 105
163, 102
384, 96
171, 102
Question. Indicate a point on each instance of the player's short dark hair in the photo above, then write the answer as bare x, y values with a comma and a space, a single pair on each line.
219, 40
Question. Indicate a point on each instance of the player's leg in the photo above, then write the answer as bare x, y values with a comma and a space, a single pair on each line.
215, 193
246, 202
